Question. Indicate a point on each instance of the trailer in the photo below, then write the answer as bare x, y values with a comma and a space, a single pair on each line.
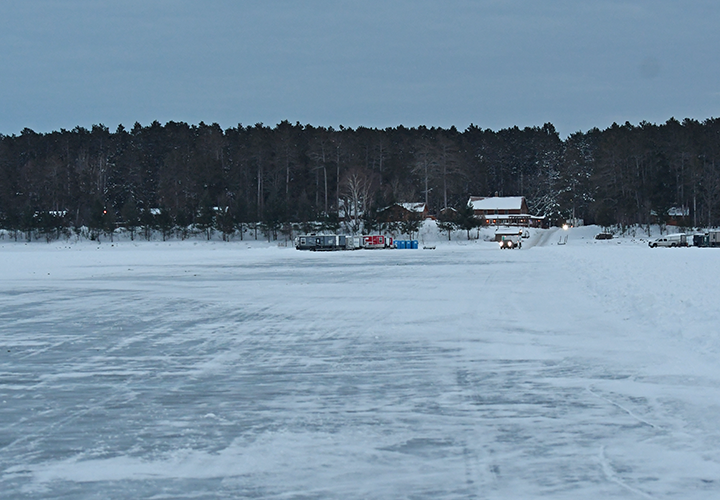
714, 238
321, 242
709, 239
701, 240
305, 242
353, 243
376, 241
333, 242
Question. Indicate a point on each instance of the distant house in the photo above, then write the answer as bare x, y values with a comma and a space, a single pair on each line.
404, 211
504, 211
678, 216
675, 216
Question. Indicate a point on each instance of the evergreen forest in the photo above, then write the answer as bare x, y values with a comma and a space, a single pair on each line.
179, 178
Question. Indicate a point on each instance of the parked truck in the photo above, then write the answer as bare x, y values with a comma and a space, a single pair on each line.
669, 240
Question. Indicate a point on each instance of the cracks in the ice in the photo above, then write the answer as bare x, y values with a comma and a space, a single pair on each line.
612, 477
626, 410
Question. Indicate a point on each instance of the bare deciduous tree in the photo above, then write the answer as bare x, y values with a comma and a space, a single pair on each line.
358, 184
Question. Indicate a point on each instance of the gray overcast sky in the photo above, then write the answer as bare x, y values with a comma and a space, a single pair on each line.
376, 63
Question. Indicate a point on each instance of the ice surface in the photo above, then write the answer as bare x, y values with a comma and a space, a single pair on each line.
211, 370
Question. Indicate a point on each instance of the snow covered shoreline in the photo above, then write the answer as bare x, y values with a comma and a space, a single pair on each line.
210, 369
429, 233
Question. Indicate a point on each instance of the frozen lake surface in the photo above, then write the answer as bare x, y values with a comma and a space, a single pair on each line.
210, 370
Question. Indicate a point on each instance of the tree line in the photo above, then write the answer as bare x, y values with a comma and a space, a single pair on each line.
178, 176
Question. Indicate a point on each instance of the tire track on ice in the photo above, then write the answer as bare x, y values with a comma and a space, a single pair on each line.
611, 476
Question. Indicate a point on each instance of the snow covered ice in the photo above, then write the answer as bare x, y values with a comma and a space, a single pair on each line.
235, 370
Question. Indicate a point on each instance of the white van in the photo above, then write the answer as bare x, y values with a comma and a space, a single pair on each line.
670, 240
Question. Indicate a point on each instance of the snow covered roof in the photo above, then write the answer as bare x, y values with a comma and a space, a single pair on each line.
679, 212
413, 207
508, 230
674, 212
497, 203
54, 213
512, 216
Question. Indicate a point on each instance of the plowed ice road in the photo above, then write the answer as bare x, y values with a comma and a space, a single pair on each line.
209, 370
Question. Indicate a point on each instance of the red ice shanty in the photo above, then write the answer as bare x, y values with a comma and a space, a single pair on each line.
376, 241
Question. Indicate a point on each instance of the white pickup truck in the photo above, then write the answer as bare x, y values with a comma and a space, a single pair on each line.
670, 240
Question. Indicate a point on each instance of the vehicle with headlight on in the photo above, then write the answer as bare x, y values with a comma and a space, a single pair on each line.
510, 242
